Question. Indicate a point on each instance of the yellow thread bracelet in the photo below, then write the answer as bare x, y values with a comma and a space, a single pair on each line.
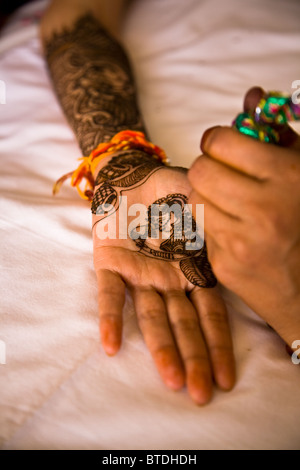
124, 140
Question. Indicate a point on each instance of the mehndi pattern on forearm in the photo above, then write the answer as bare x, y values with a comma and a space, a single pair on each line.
94, 83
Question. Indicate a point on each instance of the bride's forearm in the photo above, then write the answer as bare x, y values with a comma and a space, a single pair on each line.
90, 71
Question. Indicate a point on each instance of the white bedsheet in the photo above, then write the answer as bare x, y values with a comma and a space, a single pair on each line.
194, 60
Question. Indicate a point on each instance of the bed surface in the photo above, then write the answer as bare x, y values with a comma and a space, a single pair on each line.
193, 61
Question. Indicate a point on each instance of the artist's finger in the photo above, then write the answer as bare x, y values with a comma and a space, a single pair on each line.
217, 224
258, 160
224, 187
186, 329
111, 291
215, 326
153, 322
288, 137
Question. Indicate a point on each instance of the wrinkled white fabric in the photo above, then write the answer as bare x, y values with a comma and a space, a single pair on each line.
193, 62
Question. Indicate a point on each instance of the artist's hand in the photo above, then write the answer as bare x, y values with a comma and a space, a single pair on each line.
251, 192
185, 326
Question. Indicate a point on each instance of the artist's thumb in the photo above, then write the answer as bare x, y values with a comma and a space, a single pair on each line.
288, 137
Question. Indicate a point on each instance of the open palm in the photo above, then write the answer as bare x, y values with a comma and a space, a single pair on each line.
180, 313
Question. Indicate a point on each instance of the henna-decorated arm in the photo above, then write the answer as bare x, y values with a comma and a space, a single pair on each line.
95, 86
185, 327
92, 78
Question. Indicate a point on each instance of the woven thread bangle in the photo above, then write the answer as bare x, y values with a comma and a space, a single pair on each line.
124, 140
274, 109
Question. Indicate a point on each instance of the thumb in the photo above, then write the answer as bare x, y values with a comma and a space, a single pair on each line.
252, 98
288, 137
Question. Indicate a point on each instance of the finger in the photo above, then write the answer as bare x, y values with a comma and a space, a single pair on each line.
153, 322
111, 291
256, 159
213, 250
217, 223
288, 137
215, 326
186, 329
223, 186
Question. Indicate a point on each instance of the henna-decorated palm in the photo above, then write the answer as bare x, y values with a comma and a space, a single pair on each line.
180, 313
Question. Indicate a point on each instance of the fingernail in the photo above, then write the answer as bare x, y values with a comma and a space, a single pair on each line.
252, 98
206, 135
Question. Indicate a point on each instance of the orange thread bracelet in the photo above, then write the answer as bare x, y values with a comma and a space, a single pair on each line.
124, 140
